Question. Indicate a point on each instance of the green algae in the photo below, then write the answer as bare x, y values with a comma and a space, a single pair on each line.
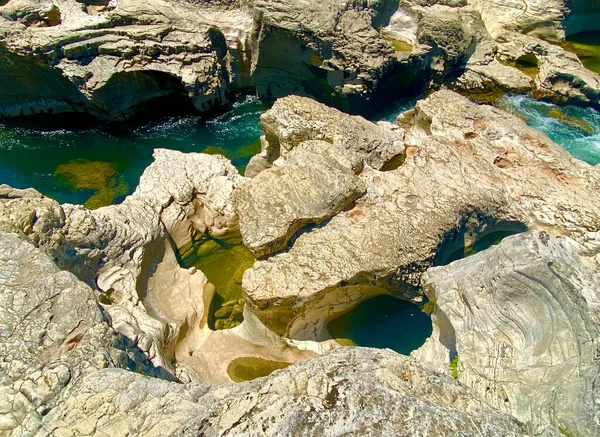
32, 148
240, 155
428, 307
454, 367
586, 45
101, 177
576, 122
486, 96
224, 264
248, 368
399, 45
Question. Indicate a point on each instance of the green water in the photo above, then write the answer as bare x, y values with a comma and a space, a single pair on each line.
224, 264
383, 322
576, 129
29, 157
249, 368
481, 244
586, 45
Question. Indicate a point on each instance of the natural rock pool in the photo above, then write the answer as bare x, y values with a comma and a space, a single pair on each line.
224, 264
383, 322
586, 45
96, 166
58, 162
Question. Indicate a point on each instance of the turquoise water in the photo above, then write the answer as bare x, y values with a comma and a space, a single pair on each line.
30, 157
383, 322
576, 129
391, 111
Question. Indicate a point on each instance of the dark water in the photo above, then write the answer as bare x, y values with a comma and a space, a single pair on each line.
485, 242
586, 45
394, 108
30, 158
576, 129
383, 322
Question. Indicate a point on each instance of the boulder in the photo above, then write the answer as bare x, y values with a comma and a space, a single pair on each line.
539, 18
522, 317
308, 188
294, 120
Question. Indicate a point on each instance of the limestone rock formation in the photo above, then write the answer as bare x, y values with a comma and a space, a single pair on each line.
58, 347
294, 120
350, 391
308, 188
540, 18
127, 251
465, 169
523, 319
560, 76
122, 58
52, 332
547, 19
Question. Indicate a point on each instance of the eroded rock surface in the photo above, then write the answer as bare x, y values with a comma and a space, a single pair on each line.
121, 58
523, 319
294, 120
308, 188
52, 332
464, 166
350, 391
127, 251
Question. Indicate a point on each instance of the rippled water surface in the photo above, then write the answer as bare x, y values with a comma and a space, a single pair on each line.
576, 129
35, 158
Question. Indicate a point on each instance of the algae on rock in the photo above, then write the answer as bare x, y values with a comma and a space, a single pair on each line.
99, 176
223, 263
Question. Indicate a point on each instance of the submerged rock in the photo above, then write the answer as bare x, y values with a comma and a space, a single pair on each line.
99, 176
523, 319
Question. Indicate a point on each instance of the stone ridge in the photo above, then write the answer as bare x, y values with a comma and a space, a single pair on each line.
347, 392
308, 189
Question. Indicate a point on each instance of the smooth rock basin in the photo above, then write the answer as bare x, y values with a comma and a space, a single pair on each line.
383, 322
30, 157
224, 264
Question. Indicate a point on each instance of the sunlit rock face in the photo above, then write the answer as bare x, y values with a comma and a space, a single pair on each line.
522, 318
464, 166
128, 251
541, 18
